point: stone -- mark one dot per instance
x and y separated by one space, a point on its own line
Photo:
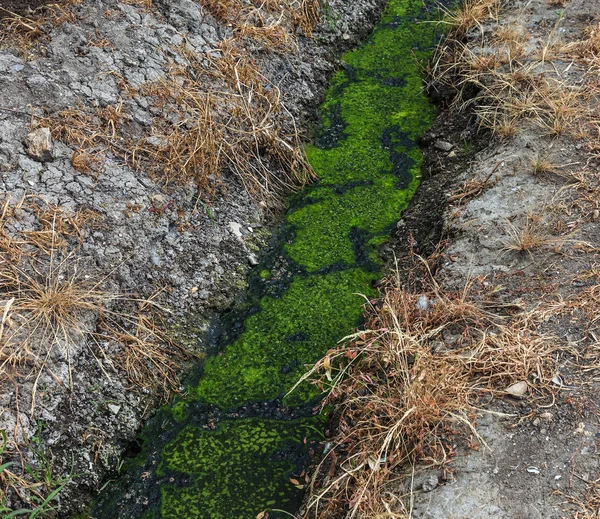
39 145
518 389
430 483
236 229
443 145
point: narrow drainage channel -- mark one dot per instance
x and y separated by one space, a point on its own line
229 447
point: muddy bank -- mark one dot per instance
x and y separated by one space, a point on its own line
193 250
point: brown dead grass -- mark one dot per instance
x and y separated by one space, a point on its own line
538 231
470 14
224 116
401 390
230 117
518 85
269 22
542 165
28 34
588 505
471 188
405 388
54 304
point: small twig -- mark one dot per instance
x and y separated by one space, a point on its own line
12 110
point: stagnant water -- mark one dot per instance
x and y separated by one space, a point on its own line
229 447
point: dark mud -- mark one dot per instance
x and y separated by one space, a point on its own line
22 7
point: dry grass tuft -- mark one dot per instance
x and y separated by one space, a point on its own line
509 83
586 202
52 305
537 231
470 189
27 34
224 115
404 387
542 165
218 112
45 306
529 235
470 14
584 306
268 22
587 48
254 136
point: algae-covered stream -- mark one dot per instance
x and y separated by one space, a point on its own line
229 447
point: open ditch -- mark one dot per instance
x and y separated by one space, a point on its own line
332 248
233 445
506 236
72 403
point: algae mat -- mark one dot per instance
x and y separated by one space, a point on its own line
232 446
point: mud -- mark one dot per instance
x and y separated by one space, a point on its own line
7 7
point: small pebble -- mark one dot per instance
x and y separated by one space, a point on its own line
430 483
443 145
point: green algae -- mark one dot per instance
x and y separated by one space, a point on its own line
201 459
253 448
280 339
179 410
357 191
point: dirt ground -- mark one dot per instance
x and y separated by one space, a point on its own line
20 6
537 457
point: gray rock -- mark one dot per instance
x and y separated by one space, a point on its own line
39 146
114 409
443 145
430 483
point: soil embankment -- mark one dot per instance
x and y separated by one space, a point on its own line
135 204
520 218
